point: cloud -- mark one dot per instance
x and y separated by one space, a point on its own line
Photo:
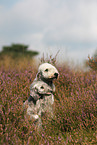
51 24
77 24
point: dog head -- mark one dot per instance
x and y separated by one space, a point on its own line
41 88
47 72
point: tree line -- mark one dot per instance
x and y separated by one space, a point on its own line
21 50
17 51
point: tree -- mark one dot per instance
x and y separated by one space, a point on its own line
17 50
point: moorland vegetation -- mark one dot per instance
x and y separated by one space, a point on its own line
75 106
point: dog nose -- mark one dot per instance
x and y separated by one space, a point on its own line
56 75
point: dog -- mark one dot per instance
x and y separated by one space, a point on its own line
40 98
47 73
41 92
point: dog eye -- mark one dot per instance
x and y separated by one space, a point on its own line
42 87
46 70
35 89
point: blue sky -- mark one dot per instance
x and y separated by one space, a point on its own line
8 3
51 25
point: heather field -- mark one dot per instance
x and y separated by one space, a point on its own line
75 107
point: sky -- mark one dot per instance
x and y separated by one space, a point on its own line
49 26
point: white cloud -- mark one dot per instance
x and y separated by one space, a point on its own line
46 23
77 24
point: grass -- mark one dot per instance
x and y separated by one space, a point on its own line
75 106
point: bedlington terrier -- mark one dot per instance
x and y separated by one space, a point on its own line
47 73
41 92
41 99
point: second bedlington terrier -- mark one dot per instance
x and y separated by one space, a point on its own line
41 100
41 92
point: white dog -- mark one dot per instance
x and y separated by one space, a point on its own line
40 98
47 73
41 92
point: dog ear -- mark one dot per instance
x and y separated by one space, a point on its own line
38 75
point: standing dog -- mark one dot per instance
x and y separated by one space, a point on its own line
41 92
